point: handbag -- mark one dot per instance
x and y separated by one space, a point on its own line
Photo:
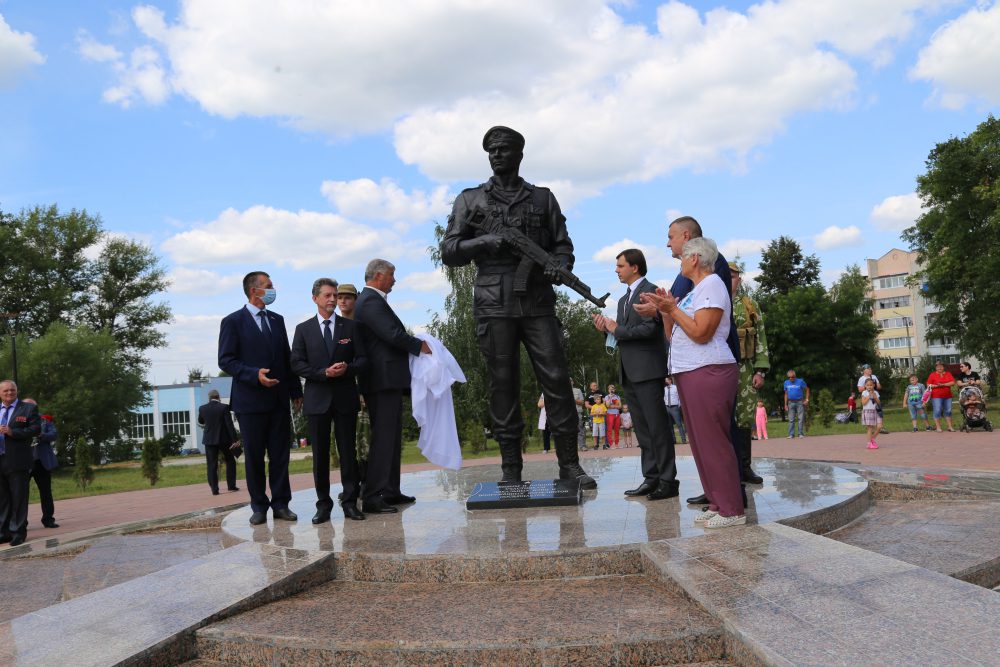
237 449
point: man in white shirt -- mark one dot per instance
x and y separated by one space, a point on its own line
672 400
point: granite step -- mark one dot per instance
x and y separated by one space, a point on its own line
150 620
612 620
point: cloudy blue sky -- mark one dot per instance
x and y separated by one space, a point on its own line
305 138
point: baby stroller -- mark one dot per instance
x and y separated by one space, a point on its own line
973 407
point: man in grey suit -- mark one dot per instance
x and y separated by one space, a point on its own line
387 380
643 367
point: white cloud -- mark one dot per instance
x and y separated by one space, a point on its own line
141 78
94 251
425 281
697 91
741 248
364 199
302 239
838 237
17 53
896 213
95 51
962 60
186 280
192 341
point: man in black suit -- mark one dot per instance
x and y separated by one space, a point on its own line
219 437
328 352
387 379
45 462
19 425
253 349
643 367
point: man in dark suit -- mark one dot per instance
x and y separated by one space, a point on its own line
643 367
388 378
253 349
19 425
328 352
45 462
219 437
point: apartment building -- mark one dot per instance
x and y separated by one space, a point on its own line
902 314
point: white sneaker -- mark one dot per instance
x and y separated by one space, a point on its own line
789 438
705 515
719 521
801 436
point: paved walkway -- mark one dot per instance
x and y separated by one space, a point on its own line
928 451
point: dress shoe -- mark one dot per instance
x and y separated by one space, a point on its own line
234 488
285 514
6 538
377 506
665 490
749 476
50 523
17 540
352 512
258 518
400 499
642 490
698 500
321 516
215 492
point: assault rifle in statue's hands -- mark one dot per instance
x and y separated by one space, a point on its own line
531 255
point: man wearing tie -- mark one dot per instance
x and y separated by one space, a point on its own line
45 462
328 352
219 437
253 349
643 365
19 424
388 378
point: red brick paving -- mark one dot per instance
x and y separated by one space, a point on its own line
929 451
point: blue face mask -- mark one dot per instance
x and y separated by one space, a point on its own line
269 296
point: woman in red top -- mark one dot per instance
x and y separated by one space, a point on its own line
940 383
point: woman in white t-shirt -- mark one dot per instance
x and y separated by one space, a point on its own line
706 376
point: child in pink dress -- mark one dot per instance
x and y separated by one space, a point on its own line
761 421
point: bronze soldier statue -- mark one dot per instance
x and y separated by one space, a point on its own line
513 307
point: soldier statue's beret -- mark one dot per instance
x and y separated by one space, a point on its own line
501 133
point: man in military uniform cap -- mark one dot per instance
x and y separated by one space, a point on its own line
754 365
506 318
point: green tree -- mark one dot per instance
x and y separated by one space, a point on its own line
75 374
127 274
824 338
152 459
83 473
955 241
825 407
47 276
171 444
784 267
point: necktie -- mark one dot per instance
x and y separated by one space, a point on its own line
264 328
3 422
328 338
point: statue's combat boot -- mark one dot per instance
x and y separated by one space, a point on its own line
569 462
511 461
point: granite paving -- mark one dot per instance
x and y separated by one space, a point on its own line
599 620
438 523
960 538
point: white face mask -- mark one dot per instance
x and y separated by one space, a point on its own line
269 296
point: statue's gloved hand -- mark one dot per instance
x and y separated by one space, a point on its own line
481 245
552 270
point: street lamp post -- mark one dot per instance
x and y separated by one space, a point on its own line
9 317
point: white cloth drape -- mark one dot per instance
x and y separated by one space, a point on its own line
431 378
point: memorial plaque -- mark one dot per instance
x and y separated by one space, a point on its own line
533 493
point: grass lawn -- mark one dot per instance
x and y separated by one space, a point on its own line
896 419
117 477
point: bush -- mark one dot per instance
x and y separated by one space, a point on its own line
151 460
119 449
171 444
825 407
472 434
83 473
